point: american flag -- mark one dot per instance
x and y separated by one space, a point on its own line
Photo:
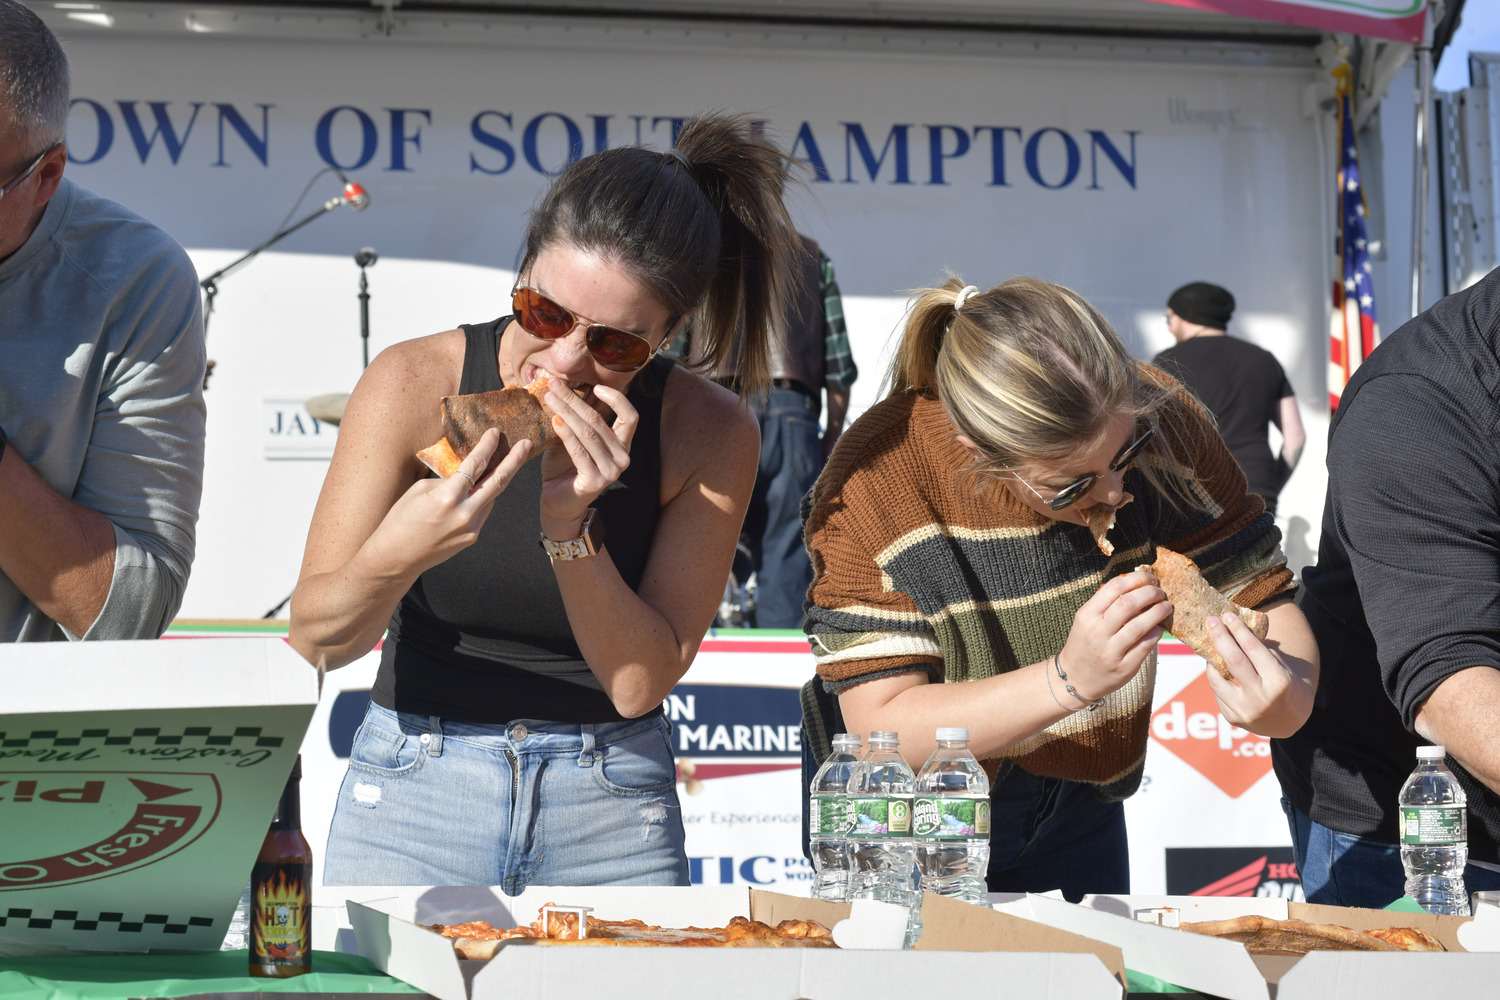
1355 330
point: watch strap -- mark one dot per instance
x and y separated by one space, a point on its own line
589 541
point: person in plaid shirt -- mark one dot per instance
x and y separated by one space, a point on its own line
811 359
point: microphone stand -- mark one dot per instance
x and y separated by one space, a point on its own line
366 257
210 284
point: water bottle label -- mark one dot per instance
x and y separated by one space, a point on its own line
882 816
1434 825
948 816
834 817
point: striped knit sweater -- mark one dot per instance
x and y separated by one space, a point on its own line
917 569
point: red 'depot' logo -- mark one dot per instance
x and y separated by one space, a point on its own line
1190 726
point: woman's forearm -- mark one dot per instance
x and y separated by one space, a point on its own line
999 712
339 616
628 644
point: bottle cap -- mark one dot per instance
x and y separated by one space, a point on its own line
1431 753
847 740
953 734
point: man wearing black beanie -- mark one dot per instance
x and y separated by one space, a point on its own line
1243 385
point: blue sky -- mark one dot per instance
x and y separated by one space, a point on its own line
1478 31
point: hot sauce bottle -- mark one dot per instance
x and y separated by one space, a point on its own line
281 892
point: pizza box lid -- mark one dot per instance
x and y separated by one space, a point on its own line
137 780
1225 969
387 932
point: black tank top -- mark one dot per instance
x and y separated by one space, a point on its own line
484 636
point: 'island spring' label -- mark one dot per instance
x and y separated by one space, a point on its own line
950 816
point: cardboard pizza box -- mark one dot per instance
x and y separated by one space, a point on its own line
1226 969
389 932
137 780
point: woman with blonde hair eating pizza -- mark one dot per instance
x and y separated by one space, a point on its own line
515 734
958 581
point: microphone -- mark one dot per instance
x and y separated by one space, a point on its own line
354 195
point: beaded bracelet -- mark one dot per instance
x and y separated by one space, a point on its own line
1057 666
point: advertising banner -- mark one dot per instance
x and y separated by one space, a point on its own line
1207 815
1396 20
1115 170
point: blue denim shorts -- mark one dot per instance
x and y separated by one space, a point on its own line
428 801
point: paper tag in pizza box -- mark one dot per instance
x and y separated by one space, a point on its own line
1483 932
137 781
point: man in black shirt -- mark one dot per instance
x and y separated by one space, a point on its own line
1242 385
1405 604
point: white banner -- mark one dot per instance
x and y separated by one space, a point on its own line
1121 170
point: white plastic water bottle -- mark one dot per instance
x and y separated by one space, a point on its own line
830 817
1435 835
951 820
882 854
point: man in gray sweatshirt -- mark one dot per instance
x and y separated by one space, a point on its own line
101 381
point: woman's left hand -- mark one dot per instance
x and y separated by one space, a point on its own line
1266 696
594 453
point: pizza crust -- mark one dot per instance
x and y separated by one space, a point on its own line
1100 518
1194 600
518 412
1266 936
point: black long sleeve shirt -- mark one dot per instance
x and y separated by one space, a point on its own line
1406 591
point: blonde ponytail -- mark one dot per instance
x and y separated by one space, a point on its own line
1030 372
931 311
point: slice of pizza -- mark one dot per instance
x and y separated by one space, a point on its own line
1267 936
518 411
1193 600
1408 939
1100 518
479 940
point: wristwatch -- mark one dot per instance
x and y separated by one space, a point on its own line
588 543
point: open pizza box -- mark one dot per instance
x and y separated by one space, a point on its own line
137 781
1224 968
989 954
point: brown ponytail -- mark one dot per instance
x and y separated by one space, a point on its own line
703 228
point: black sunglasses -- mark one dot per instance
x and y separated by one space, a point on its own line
1074 491
611 348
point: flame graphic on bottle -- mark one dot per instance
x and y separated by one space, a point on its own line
280 925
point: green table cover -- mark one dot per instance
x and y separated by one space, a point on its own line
119 977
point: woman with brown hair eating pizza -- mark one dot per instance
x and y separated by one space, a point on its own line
515 734
975 537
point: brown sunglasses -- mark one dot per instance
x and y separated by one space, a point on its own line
612 349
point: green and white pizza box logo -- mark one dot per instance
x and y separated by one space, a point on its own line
66 827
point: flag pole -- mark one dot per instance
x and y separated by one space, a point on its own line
1423 96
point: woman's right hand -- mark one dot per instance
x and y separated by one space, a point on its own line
436 518
1113 633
